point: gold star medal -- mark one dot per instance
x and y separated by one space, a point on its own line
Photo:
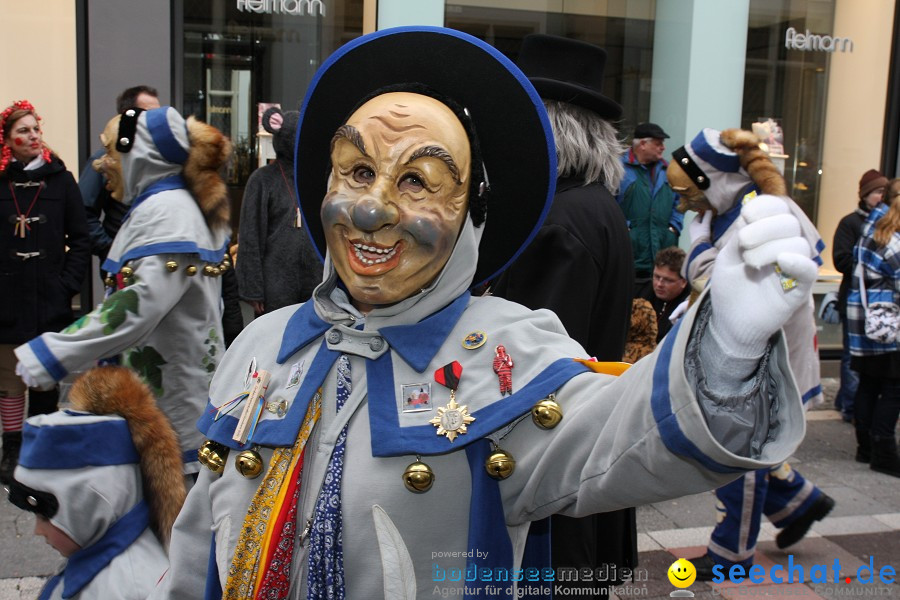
452 419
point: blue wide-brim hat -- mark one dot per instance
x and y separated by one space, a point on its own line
514 135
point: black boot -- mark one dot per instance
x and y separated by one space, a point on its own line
863 446
884 456
12 441
794 532
42 402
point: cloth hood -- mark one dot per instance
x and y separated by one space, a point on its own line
721 165
89 463
159 149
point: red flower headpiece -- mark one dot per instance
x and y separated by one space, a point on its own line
5 152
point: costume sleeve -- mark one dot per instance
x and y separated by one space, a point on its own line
541 280
643 436
78 256
90 183
843 253
700 259
123 320
252 234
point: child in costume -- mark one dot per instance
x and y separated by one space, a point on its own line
104 483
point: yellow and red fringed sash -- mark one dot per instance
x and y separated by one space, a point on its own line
270 523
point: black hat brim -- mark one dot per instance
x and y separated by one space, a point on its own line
513 130
552 89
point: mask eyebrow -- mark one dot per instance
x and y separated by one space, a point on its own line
352 135
439 153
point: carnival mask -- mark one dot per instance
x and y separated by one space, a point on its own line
397 196
109 165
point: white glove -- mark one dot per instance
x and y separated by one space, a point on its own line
27 377
749 303
700 226
679 311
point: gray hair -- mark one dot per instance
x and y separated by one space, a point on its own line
586 145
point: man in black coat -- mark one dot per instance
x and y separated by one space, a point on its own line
579 264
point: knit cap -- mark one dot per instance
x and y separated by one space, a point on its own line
871 181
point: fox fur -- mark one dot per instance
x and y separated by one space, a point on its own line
753 159
210 150
113 390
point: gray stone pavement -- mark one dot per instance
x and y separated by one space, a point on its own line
865 523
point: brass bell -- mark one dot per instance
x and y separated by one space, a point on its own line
500 464
418 477
216 271
208 270
191 270
126 272
249 464
224 265
212 455
547 413
110 282
171 266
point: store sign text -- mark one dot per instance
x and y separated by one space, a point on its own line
286 7
815 42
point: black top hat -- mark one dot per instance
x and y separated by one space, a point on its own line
515 138
567 70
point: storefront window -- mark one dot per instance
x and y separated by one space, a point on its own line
785 88
625 30
242 55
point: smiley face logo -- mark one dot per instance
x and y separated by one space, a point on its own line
682 573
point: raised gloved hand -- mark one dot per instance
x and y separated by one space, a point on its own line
749 299
700 226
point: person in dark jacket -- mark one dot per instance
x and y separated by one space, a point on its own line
669 290
849 230
44 256
579 264
279 265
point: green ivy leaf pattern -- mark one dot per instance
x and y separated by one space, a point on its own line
115 309
77 325
212 348
146 362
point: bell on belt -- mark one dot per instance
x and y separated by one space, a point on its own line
209 271
418 477
249 464
212 455
191 270
547 413
171 266
110 282
500 464
126 272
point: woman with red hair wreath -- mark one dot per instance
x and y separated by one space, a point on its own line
44 254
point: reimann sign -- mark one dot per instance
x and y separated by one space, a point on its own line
286 7
813 42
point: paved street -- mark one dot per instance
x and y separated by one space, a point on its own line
865 523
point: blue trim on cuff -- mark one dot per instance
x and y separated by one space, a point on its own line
669 430
48 361
813 392
96 444
163 138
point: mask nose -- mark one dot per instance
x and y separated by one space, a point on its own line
370 213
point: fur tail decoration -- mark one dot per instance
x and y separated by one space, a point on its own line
118 390
755 161
210 150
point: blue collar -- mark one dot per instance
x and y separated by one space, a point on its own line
85 564
416 343
173 182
